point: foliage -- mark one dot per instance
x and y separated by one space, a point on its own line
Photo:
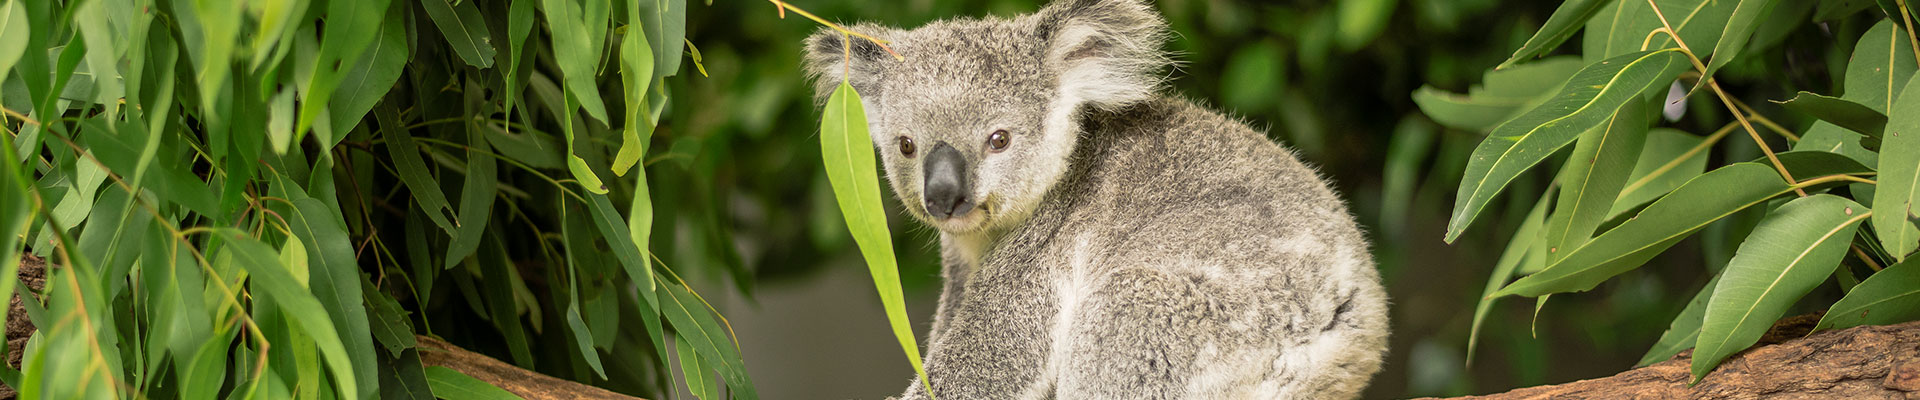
1641 60
224 190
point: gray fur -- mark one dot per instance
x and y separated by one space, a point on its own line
1127 244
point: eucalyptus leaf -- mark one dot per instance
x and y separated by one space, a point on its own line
1565 21
454 385
1684 331
851 169
464 29
1794 249
1842 112
1899 188
1530 231
1588 100
1888 297
1689 208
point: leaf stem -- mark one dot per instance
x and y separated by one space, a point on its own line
1907 15
1724 99
1863 258
783 7
1670 165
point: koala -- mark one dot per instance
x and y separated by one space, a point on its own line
1100 239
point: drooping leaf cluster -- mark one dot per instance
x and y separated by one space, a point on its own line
1834 200
273 198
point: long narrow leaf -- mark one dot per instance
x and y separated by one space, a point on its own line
1589 98
1794 249
1893 199
856 187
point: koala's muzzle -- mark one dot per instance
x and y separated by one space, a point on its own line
946 186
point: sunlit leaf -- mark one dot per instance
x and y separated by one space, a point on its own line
848 152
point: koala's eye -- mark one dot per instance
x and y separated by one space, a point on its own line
906 146
998 140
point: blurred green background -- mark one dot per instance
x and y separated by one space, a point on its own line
1330 79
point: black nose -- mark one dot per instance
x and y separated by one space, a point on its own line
946 185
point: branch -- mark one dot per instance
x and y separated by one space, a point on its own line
1868 362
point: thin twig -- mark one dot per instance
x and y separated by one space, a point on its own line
1863 258
783 6
1912 41
1727 100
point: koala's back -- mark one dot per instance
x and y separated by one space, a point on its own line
1191 232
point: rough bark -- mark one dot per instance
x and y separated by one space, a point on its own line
1868 362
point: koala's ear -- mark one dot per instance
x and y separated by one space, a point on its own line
829 59
1106 51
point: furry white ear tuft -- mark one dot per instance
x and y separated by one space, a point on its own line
1107 51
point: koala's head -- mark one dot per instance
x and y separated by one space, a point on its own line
976 122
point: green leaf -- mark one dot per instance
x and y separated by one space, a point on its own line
519 25
636 72
1503 94
578 166
402 378
352 27
13 24
1846 114
693 322
413 172
1890 296
1565 21
454 385
1893 198
1794 249
264 269
607 220
1517 248
1588 100
848 153
1881 65
476 198
1684 330
370 78
1827 137
1652 177
699 380
390 322
464 29
336 280
1692 206
1627 26
1593 178
1733 39
1835 9
578 31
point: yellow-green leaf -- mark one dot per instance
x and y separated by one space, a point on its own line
848 153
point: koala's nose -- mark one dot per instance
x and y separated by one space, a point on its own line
946 187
